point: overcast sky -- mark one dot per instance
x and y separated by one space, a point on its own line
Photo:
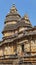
23 7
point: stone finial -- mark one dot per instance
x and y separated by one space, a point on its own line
13 8
26 16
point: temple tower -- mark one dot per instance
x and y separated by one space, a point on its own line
10 29
18 46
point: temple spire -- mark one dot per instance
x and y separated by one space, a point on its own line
13 8
26 16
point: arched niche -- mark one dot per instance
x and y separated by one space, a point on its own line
26 45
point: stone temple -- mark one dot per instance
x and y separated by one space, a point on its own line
18 45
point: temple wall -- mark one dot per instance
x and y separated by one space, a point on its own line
13 49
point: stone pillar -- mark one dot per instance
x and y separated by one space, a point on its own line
19 50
